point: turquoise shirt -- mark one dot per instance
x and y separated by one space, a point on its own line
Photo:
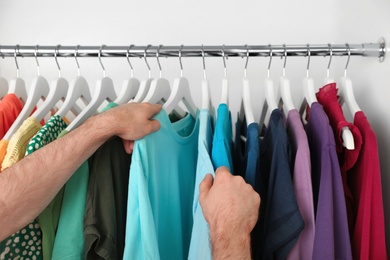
221 154
161 191
69 241
200 247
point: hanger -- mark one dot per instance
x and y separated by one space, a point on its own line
159 88
78 89
129 86
225 82
104 91
145 84
309 92
206 98
246 107
180 93
3 82
328 79
58 91
39 90
270 97
17 85
284 85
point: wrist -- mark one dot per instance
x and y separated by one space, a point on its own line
230 243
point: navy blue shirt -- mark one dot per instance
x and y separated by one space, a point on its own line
280 222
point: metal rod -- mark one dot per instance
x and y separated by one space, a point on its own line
366 50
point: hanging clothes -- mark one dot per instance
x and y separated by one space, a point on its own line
331 239
221 152
69 241
280 220
356 182
106 204
36 239
200 247
300 159
161 189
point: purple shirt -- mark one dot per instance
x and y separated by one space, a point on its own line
300 158
331 240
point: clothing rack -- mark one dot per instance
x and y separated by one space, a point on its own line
365 49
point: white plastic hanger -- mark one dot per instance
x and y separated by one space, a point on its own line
145 84
78 89
129 87
39 90
58 91
17 85
284 86
225 81
246 106
206 97
346 95
270 97
180 93
309 92
3 82
159 89
104 90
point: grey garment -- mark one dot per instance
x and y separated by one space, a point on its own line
106 206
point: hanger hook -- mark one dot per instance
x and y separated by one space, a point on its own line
247 59
330 59
224 61
1 53
181 64
16 61
158 59
308 60
204 63
146 61
285 59
100 60
270 59
128 60
36 58
57 50
349 56
76 52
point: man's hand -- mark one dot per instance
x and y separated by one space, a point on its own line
231 207
133 121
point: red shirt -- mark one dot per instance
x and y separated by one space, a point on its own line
10 107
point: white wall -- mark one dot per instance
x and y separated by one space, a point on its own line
174 22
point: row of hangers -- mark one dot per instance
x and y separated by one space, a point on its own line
345 92
159 91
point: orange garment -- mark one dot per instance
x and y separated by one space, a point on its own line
10 107
3 150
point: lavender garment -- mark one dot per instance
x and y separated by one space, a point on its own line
331 240
300 152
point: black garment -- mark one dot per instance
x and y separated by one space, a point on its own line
280 222
106 206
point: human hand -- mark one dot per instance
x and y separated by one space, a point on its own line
133 121
231 208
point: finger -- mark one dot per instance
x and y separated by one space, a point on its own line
205 186
127 146
155 125
222 172
154 109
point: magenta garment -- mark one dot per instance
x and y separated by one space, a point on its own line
331 240
300 158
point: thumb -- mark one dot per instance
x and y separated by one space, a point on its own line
205 187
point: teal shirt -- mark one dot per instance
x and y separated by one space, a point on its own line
69 241
161 191
200 247
221 154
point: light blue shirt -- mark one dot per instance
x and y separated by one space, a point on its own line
221 154
200 247
161 191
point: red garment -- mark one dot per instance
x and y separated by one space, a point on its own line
10 107
368 239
